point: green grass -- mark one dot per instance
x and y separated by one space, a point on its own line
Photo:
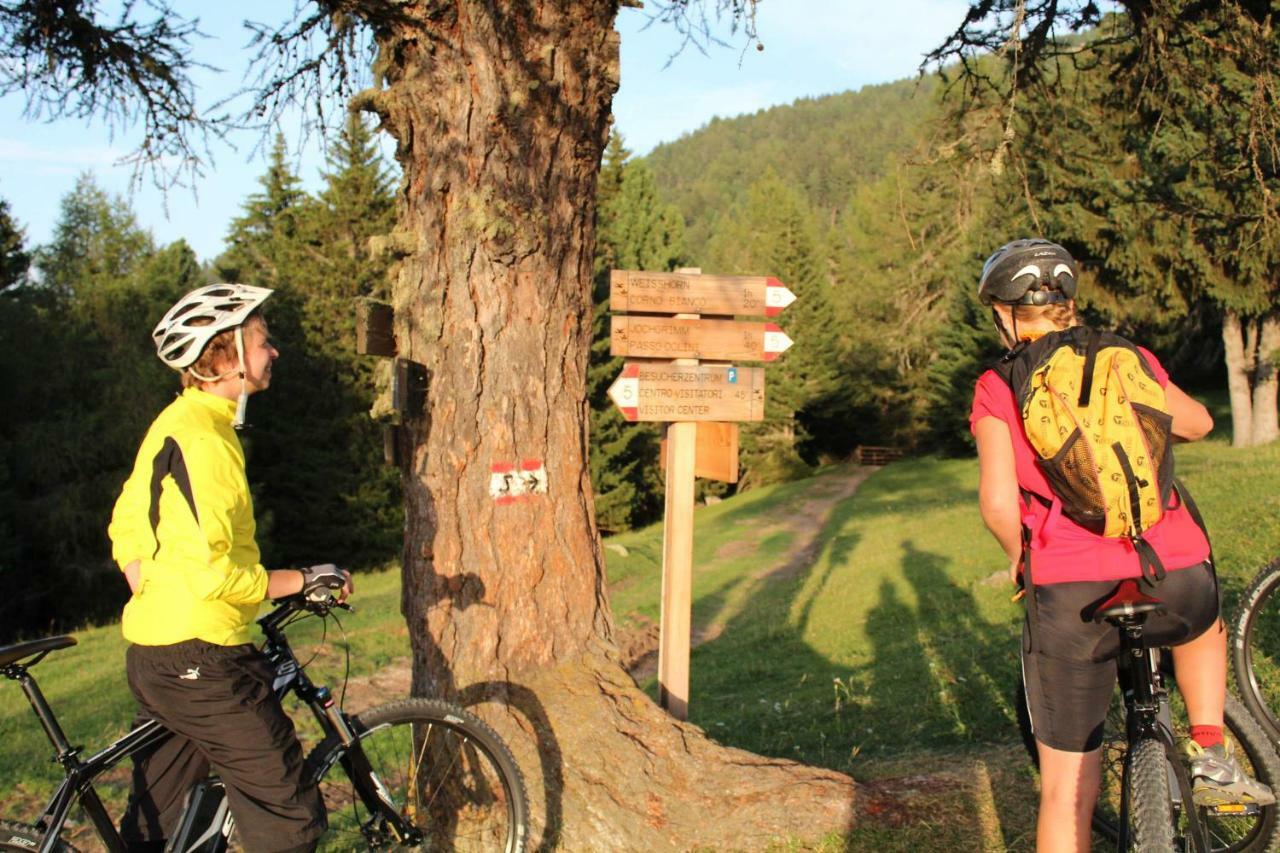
866 634
896 652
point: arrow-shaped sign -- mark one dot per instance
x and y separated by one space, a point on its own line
686 293
704 392
716 340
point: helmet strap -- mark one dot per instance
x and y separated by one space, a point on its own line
1010 340
243 400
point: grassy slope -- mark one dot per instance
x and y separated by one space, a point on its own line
892 657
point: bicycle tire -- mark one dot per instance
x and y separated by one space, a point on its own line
475 802
21 836
1151 820
1255 648
1254 750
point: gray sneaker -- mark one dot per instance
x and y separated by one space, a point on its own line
1217 780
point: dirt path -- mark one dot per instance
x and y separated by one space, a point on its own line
638 641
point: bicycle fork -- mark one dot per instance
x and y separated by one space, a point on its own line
371 790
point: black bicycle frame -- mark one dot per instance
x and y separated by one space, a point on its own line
80 774
290 676
1147 716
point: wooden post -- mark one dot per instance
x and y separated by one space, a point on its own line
676 630
677 571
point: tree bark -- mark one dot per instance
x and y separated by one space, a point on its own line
1239 386
501 113
1265 426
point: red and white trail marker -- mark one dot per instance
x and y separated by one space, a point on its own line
510 482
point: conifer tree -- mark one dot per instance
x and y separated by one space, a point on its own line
14 258
772 233
634 230
80 403
317 468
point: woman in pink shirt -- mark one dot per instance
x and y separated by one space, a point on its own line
1070 668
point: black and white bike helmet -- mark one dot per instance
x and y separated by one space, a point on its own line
191 323
1028 272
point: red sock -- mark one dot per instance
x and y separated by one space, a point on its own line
1206 736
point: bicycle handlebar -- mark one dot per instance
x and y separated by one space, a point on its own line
291 604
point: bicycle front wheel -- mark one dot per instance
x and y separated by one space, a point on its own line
1228 833
1255 648
1151 820
447 772
1250 832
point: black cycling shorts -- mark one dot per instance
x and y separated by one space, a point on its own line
1071 673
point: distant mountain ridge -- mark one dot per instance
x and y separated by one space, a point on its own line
823 147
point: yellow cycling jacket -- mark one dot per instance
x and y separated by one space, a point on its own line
186 515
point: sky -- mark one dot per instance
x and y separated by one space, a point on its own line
811 48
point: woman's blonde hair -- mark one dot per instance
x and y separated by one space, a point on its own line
1060 314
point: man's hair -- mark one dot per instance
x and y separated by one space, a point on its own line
220 349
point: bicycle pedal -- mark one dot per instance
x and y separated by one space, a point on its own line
1234 810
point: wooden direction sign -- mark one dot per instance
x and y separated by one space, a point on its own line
716 340
704 392
682 293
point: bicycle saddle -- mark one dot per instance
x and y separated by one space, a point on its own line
19 651
1127 600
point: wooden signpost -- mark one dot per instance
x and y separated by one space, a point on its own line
684 337
685 293
701 404
656 391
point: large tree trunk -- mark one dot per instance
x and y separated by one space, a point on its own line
1265 426
1239 372
501 112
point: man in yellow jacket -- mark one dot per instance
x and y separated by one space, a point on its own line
183 534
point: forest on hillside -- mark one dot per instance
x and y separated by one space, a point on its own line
875 207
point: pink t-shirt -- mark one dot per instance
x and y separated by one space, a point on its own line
1062 550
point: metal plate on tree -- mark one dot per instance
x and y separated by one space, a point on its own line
717 340
704 392
684 293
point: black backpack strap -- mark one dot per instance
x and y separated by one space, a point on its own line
1028 586
1090 360
1134 483
1149 561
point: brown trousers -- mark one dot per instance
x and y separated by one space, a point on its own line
218 702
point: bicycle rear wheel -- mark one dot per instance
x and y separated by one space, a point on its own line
1255 648
448 773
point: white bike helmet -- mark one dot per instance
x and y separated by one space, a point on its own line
192 322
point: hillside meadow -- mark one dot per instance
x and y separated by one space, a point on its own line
857 619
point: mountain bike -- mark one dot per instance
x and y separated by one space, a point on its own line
1145 801
1255 648
415 773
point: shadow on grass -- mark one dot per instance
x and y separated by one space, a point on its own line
936 678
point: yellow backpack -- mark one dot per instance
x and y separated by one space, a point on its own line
1097 417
